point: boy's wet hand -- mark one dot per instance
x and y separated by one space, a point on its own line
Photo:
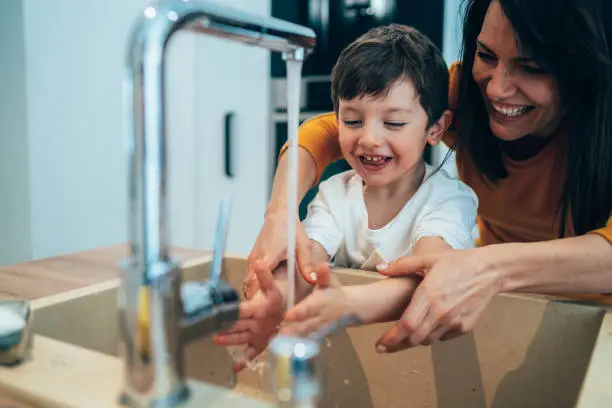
258 320
326 304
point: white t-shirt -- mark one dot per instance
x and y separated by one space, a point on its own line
337 219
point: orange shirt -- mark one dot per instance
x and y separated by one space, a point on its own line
520 208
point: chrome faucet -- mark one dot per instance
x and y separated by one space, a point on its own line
154 324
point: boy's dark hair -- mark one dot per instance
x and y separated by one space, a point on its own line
374 62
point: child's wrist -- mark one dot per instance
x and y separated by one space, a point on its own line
352 302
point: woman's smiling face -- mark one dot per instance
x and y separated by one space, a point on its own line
521 99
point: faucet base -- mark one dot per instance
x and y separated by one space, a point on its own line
211 396
199 395
175 399
149 316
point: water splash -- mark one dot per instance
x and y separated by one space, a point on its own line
258 364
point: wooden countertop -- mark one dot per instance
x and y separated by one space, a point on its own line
44 277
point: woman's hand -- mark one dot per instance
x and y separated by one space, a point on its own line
457 287
326 304
270 250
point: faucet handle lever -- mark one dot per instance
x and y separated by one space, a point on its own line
207 309
211 305
220 241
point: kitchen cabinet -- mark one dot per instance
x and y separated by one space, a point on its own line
65 130
224 148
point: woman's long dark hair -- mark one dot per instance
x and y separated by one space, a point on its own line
570 39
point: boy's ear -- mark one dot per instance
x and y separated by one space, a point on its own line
438 129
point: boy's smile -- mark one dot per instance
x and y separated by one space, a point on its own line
375 162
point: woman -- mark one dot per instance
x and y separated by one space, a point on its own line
532 105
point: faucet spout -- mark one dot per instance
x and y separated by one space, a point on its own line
152 284
144 97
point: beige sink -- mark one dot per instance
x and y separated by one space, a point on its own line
525 352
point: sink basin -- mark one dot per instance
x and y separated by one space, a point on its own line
524 352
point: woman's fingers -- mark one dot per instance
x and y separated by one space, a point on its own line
322 275
269 250
451 334
408 265
303 254
428 324
265 279
250 285
456 289
436 334
411 321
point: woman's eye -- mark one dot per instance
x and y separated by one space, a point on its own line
485 57
395 124
533 70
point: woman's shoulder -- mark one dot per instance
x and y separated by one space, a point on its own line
454 68
326 119
453 85
453 101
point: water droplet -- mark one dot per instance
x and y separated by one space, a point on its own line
284 395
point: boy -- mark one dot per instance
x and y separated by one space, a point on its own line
390 94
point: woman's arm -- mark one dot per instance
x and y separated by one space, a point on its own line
270 247
318 147
564 266
459 285
307 171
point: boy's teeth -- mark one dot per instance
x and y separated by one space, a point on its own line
510 111
374 159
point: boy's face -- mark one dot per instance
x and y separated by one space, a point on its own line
383 138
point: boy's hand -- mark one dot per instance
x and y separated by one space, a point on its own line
258 320
327 303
